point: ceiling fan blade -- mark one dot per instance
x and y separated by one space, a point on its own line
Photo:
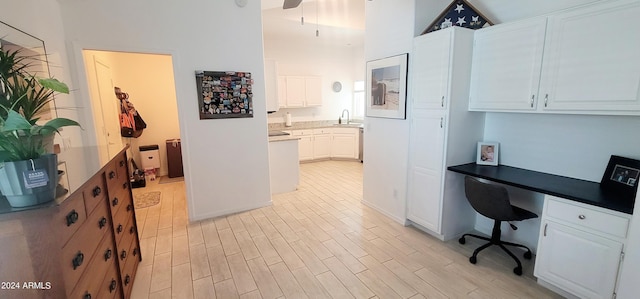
291 4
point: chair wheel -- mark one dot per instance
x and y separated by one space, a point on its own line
462 240
472 260
517 271
527 255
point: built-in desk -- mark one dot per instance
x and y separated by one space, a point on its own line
560 186
583 229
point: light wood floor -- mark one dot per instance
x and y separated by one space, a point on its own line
316 242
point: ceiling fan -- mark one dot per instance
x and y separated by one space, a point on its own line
291 4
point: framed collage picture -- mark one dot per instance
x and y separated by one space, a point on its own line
224 94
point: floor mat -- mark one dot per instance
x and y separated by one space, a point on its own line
145 200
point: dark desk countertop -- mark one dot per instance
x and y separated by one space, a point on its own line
560 186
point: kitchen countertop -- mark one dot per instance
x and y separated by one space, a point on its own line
303 125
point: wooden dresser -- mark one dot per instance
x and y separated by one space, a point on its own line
82 245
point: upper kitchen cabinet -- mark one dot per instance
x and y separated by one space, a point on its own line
300 91
271 84
431 61
591 60
586 62
505 72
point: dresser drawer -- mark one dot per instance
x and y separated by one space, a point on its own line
593 218
122 217
118 198
78 251
91 282
111 284
94 193
130 268
120 165
70 217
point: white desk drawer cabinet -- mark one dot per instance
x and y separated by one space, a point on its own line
580 247
588 218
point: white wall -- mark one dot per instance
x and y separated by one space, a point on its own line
315 58
389 32
577 146
45 22
225 161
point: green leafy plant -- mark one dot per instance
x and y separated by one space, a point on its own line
22 99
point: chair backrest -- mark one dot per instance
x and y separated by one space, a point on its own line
488 199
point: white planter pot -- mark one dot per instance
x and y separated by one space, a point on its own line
12 181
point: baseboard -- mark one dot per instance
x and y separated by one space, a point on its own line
193 218
427 231
383 212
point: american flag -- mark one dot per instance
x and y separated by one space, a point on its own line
459 13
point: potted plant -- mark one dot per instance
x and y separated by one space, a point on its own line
28 168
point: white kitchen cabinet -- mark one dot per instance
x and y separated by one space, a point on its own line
442 133
300 91
580 248
426 170
305 144
505 73
431 76
321 143
271 85
589 67
345 143
585 62
313 91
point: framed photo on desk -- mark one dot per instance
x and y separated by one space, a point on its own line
621 175
487 153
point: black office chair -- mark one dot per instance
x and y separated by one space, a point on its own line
493 201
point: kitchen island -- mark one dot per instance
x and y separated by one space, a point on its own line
284 168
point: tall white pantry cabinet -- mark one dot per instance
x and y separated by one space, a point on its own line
443 132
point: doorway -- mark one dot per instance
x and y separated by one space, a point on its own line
149 81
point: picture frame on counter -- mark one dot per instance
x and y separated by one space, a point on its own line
487 153
386 91
621 175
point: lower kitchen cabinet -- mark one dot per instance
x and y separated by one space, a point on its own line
84 244
580 248
345 143
321 143
327 143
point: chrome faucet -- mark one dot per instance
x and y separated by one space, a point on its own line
342 115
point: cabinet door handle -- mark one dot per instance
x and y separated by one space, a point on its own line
96 191
442 102
77 260
107 254
113 285
581 217
72 217
546 99
102 222
441 120
545 230
532 97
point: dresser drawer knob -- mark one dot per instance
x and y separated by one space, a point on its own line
107 254
132 230
124 185
72 217
123 255
121 163
127 279
114 202
582 217
135 251
112 175
113 285
77 260
129 207
87 295
96 191
102 222
120 228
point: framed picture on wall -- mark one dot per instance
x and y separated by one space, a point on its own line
621 175
487 153
386 91
224 94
